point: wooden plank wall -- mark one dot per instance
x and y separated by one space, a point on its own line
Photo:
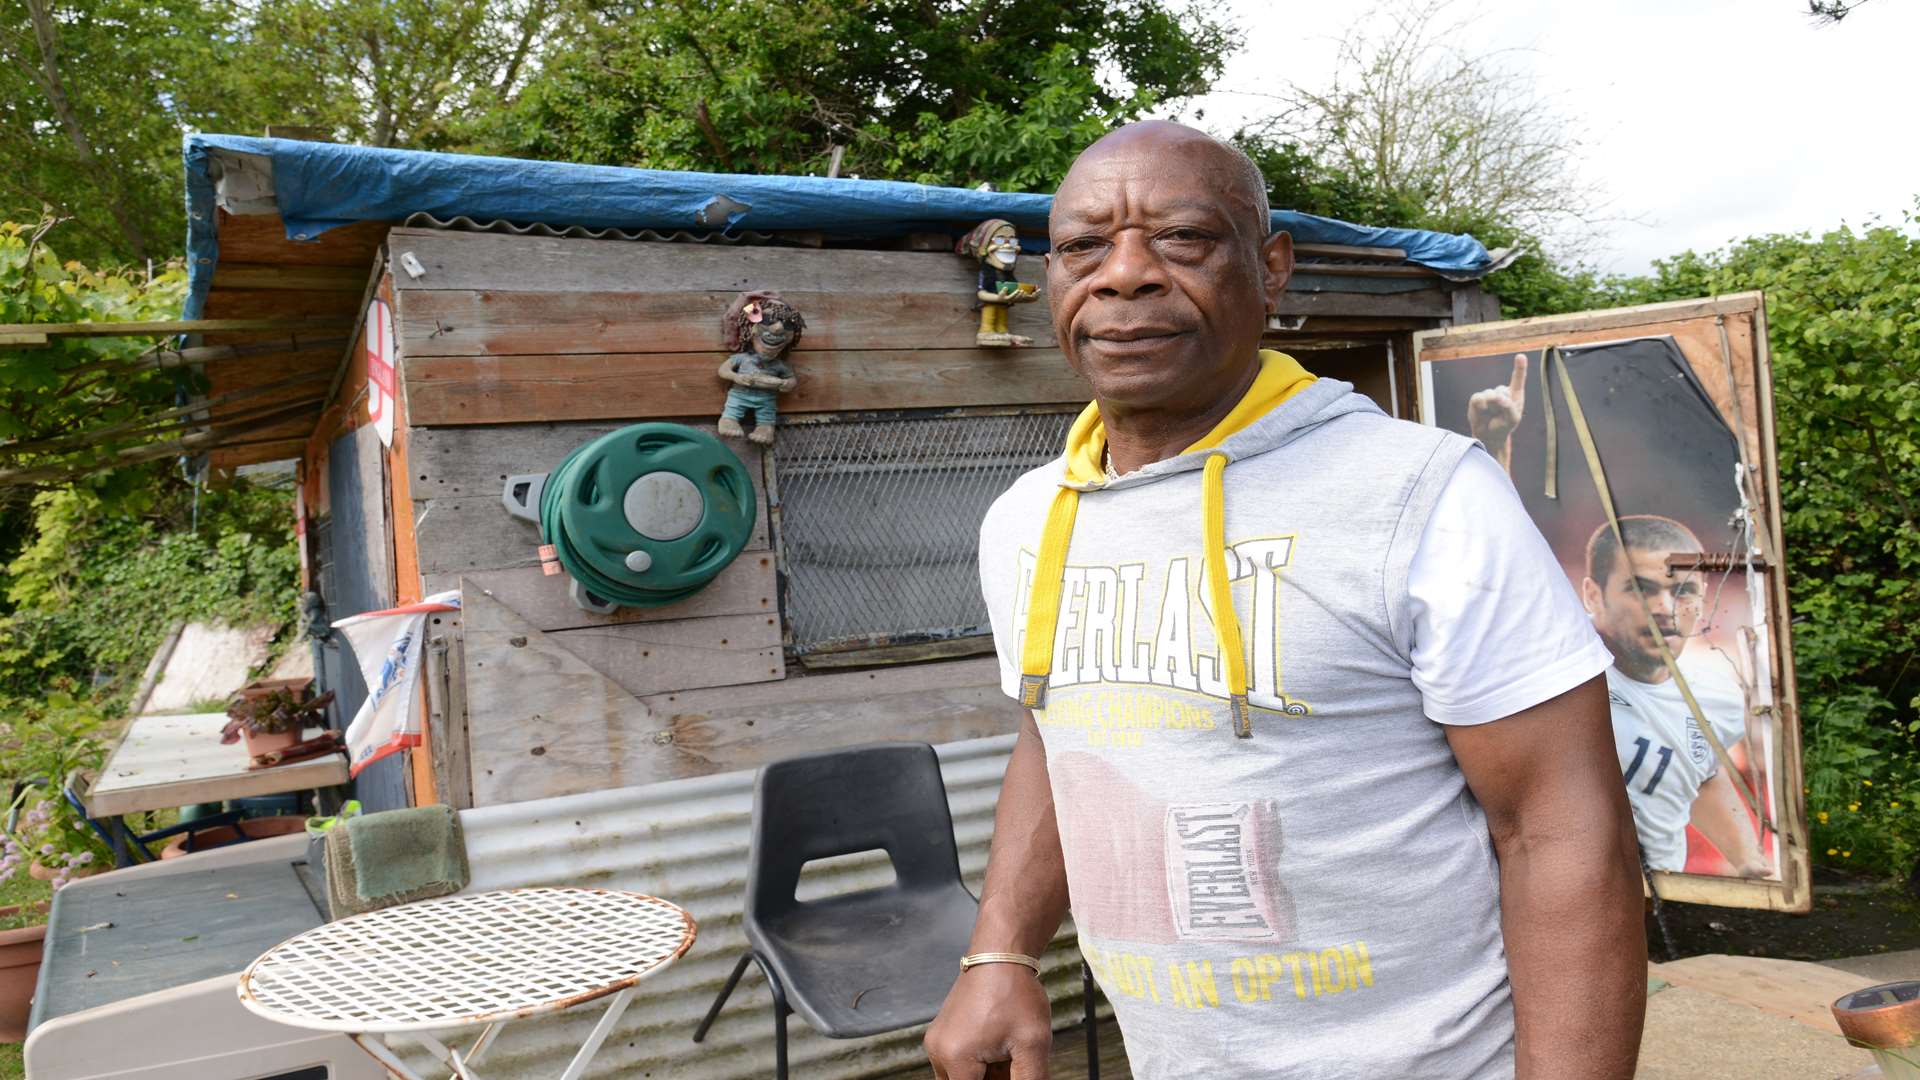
503 329
515 350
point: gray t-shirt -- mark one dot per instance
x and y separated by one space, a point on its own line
1320 900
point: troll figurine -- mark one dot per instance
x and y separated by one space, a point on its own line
993 243
760 330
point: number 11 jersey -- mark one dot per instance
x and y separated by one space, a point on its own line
1663 757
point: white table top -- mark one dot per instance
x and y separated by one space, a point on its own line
467 959
165 761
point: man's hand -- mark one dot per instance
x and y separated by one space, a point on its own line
994 1013
998 1013
1494 413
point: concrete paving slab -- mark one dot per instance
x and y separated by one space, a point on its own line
1697 1035
1898 966
1791 989
210 662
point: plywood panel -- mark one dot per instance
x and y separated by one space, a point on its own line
503 323
490 261
681 654
262 238
544 721
274 450
1419 303
497 390
747 586
540 720
230 274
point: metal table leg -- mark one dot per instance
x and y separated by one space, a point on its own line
462 1064
379 1052
578 1067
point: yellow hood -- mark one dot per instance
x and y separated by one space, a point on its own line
1280 378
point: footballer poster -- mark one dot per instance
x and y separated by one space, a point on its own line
1665 408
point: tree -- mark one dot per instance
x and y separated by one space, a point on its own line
1830 12
398 72
94 95
68 405
1421 120
1418 131
961 91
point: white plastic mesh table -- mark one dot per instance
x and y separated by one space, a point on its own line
459 961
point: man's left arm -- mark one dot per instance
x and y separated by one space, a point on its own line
1570 895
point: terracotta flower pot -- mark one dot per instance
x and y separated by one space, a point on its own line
267 744
41 872
20 952
222 835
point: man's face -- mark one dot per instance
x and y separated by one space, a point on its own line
1675 599
1158 283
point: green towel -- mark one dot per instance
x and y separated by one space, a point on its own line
395 857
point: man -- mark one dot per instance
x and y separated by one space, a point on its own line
1673 777
1280 864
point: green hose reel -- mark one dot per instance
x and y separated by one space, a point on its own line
640 517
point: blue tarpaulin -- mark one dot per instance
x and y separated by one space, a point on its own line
321 186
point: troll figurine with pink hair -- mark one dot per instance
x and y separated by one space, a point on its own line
760 330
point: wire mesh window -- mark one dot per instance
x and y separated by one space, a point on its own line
880 520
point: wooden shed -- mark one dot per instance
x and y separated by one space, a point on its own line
536 306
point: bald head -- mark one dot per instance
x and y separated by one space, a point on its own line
1162 272
1179 146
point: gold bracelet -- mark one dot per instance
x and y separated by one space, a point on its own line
979 958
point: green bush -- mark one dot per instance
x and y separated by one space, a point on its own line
102 581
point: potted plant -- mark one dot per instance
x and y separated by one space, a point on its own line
45 833
271 715
45 836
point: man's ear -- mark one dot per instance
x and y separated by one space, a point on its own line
1591 595
1277 254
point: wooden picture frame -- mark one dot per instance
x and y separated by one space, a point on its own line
1733 371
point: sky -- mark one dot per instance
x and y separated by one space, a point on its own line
1705 120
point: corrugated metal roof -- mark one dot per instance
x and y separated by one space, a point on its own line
463 223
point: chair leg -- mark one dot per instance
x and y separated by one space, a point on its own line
726 992
1093 1028
780 1014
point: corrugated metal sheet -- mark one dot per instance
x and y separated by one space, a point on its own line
686 840
463 223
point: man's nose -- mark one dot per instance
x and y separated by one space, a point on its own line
1130 270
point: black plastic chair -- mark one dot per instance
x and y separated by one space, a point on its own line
866 962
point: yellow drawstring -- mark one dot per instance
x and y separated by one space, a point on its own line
1280 378
1226 622
1043 612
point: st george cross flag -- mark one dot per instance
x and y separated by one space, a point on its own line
387 644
